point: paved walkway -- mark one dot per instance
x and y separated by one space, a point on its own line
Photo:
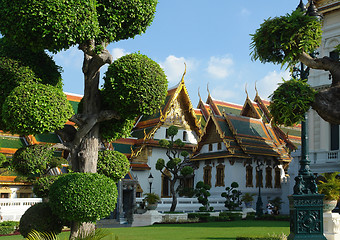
110 223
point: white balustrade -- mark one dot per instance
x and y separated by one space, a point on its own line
187 204
11 209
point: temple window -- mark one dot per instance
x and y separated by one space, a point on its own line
139 191
185 136
207 175
5 192
219 146
269 178
210 147
219 176
166 184
277 178
249 176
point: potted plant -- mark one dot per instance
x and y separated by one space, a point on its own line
152 200
329 185
248 199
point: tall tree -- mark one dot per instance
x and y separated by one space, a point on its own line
175 168
31 100
292 38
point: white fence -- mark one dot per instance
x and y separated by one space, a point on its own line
187 204
11 209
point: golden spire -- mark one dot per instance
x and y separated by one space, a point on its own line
245 89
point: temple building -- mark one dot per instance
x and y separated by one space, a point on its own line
237 142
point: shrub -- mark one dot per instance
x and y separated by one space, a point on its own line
232 196
258 238
32 159
6 230
39 217
201 216
34 108
290 101
14 224
138 81
42 186
113 164
231 215
202 194
83 197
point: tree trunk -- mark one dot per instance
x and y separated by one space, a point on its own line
85 146
327 101
174 196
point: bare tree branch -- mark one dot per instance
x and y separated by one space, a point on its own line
107 115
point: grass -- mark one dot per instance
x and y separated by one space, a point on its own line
190 231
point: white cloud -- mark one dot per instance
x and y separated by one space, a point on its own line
118 52
224 94
174 68
245 12
267 85
71 58
220 68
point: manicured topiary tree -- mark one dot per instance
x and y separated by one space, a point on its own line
33 160
92 25
290 39
113 164
176 166
36 108
39 217
41 186
202 193
91 196
232 196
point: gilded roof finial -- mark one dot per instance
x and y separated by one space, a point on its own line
257 93
245 89
199 95
208 89
185 71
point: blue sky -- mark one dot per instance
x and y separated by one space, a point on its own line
211 37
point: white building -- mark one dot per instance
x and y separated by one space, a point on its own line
323 136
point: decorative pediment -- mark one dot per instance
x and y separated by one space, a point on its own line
176 116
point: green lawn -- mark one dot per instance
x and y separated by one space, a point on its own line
207 231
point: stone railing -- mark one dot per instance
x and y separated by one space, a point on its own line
11 209
322 157
187 204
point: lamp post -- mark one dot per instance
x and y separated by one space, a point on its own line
150 180
306 213
259 203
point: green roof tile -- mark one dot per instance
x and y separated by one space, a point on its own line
123 148
47 138
12 142
74 106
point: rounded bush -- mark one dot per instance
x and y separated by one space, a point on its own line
39 62
32 159
290 101
114 129
39 217
42 185
83 197
113 164
53 25
134 85
35 108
